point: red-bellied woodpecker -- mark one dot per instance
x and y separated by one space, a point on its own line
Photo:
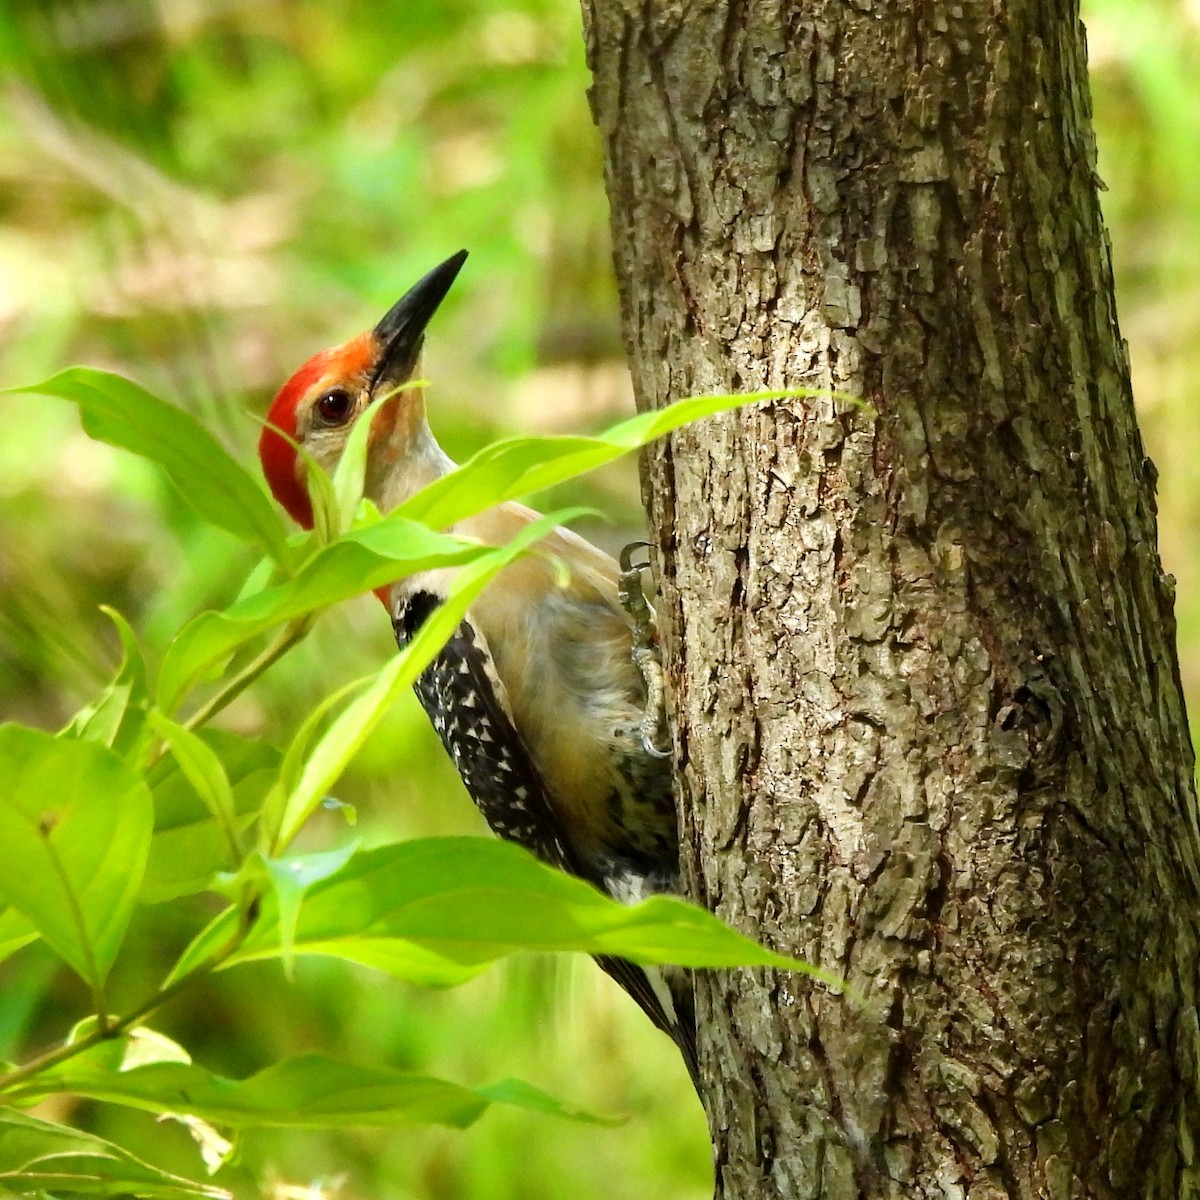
545 696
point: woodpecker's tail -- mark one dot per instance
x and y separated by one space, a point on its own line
665 995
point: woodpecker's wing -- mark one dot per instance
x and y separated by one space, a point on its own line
467 703
465 700
664 994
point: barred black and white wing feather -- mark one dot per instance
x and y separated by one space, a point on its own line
467 705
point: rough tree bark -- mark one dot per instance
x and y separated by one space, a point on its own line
925 694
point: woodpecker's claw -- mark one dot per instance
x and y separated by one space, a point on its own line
656 739
627 566
653 750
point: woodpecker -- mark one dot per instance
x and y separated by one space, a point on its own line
545 697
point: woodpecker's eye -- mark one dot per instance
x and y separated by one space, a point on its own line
335 408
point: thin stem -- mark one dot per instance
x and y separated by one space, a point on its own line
105 1031
291 635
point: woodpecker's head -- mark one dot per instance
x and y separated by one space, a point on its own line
317 406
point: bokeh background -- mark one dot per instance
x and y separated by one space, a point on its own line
200 193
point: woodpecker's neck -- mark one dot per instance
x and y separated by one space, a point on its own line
404 458
400 465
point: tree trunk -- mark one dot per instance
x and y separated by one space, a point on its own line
924 684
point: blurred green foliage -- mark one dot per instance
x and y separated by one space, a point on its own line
199 193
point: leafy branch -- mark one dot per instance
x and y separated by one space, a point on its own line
132 803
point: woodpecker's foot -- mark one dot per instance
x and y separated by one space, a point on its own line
632 594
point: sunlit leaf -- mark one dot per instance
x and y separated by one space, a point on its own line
216 1150
40 1157
122 413
190 845
291 878
350 474
75 826
345 736
364 559
16 931
522 1095
118 718
311 1091
518 467
203 769
135 1048
321 498
287 779
437 910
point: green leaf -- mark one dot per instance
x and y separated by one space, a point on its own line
292 768
363 560
190 845
518 467
141 1046
215 1148
203 769
325 523
118 718
122 413
39 1157
349 476
436 911
16 932
308 1092
75 827
523 1095
346 735
291 879
136 1048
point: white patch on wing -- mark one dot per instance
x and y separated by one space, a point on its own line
658 984
628 887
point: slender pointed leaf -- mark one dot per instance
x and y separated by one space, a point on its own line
518 467
437 910
39 1157
292 768
190 845
291 878
350 475
203 769
363 560
346 735
310 1091
521 1094
122 413
321 498
16 932
118 718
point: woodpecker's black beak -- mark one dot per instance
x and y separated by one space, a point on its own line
402 331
